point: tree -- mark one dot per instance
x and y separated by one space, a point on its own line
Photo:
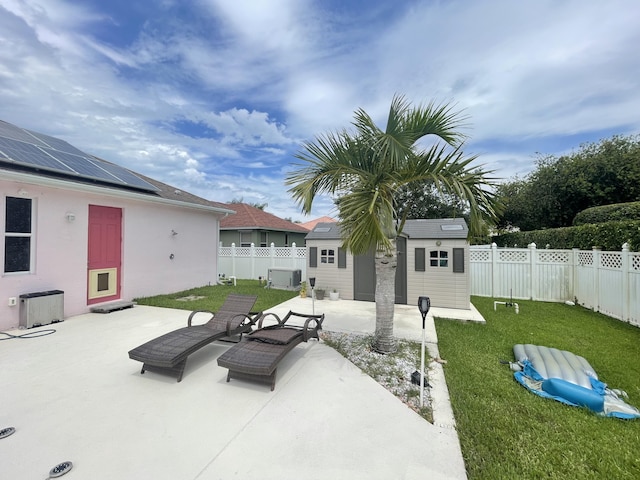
558 189
366 168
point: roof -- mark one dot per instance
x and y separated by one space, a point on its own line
248 217
312 223
445 228
33 170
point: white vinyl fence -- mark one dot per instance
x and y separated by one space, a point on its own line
606 282
254 262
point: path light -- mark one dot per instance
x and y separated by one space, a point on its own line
312 282
424 304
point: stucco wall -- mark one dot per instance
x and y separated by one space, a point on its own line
227 237
61 247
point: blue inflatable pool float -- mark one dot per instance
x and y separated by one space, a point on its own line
568 378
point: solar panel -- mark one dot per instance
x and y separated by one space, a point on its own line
10 131
56 143
41 151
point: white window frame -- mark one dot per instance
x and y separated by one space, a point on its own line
440 259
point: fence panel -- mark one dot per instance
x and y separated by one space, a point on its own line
608 282
254 262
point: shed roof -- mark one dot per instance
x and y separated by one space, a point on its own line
453 228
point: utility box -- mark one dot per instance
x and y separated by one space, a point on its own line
285 278
41 308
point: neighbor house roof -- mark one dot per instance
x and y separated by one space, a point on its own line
414 229
310 225
248 217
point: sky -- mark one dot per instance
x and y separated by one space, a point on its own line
215 97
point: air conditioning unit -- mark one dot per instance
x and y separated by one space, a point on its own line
285 278
41 308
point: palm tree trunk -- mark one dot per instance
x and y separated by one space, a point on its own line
386 265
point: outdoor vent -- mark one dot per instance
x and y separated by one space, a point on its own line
41 308
285 278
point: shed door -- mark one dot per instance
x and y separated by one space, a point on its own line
364 275
105 254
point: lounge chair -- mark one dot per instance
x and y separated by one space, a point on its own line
258 355
169 352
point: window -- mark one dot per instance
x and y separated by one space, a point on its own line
327 255
18 235
245 239
263 239
439 258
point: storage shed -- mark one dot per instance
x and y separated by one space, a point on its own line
433 256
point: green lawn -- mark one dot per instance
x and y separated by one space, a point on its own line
505 431
214 296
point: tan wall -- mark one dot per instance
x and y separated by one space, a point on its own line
445 288
328 275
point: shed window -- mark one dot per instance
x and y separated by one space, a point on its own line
327 255
439 258
18 234
420 260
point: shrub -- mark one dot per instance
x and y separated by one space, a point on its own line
608 236
608 213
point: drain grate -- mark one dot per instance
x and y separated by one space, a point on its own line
5 432
60 469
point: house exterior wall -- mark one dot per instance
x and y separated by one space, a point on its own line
279 239
328 275
61 247
445 288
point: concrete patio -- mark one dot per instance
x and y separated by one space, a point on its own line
75 395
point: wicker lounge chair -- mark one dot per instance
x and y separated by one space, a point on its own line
258 355
169 352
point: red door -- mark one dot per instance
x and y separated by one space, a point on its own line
105 254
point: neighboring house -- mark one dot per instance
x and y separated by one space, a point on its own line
311 224
251 225
433 260
94 230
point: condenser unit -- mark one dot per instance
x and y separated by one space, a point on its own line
285 278
41 308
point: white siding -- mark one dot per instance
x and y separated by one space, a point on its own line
445 288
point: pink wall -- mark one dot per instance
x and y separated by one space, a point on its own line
147 243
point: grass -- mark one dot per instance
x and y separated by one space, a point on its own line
507 432
213 296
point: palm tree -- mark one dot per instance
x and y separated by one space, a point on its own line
365 169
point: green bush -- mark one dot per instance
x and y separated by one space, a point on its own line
608 213
608 236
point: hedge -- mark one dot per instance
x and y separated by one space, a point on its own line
608 213
609 236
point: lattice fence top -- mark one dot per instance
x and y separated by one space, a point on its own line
514 256
611 260
480 255
635 261
585 258
553 256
